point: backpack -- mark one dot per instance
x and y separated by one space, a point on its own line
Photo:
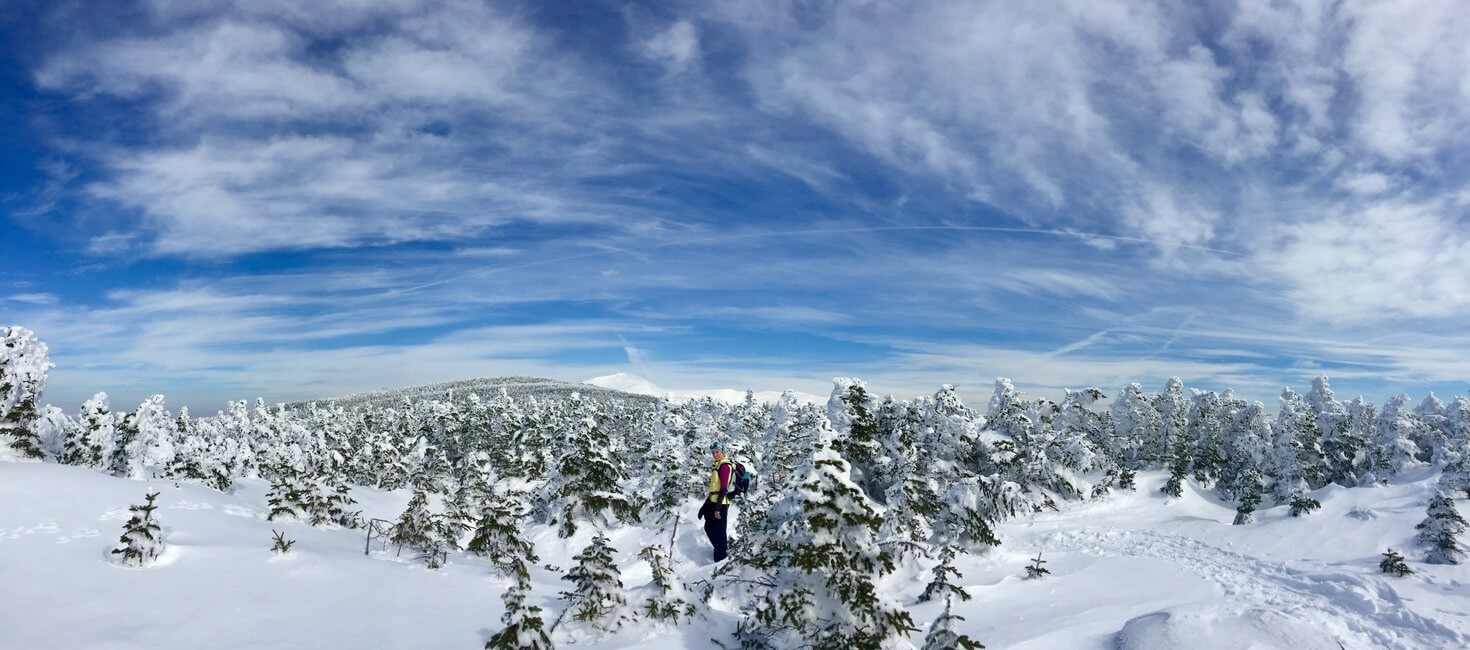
743 478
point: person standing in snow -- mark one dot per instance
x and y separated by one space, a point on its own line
716 509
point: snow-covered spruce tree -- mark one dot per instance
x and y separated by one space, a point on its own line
1205 430
524 629
414 527
499 533
1456 474
1285 463
24 365
1344 432
940 585
1393 564
675 478
142 538
1242 474
1295 418
1173 413
596 597
91 442
587 485
1393 442
1136 428
151 447
1247 501
970 509
1434 432
288 496
441 537
329 501
943 636
850 409
1440 531
123 440
824 560
1352 445
665 600
912 498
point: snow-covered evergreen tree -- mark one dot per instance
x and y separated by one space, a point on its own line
142 539
824 561
1393 442
941 584
596 597
665 598
499 533
850 409
286 497
970 510
1352 446
912 505
587 485
91 443
1393 564
150 447
1440 531
414 528
1432 435
24 366
1136 426
524 629
943 636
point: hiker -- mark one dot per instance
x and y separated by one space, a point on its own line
716 509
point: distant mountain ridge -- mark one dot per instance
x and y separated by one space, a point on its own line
460 390
630 383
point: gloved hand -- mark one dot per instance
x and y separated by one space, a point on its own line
704 509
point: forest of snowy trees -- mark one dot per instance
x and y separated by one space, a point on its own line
847 493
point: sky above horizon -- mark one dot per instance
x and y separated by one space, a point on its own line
221 200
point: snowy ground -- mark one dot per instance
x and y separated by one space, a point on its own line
1133 571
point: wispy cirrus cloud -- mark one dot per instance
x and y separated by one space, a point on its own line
750 194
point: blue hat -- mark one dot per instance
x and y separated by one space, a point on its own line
717 446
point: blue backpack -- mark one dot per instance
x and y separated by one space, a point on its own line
743 478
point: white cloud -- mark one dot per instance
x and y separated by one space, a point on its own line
676 48
33 298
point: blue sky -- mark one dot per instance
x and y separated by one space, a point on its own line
217 200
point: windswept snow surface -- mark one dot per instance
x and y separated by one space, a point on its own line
630 383
1134 571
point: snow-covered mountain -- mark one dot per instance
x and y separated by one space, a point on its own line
630 383
518 387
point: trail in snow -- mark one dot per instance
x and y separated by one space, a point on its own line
1357 611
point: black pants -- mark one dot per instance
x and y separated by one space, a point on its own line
715 528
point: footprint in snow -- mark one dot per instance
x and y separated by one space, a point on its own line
82 533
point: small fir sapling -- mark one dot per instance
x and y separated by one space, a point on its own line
1035 569
1302 505
597 593
282 545
524 628
665 600
943 636
940 586
142 539
1393 564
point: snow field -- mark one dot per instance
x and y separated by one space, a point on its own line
1134 571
